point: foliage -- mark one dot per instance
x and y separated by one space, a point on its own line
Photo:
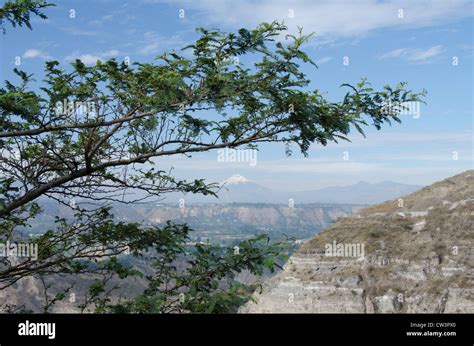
18 12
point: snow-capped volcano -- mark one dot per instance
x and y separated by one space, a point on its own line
238 188
235 179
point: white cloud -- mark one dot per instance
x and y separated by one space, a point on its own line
89 59
378 165
286 165
154 44
378 139
423 55
79 32
323 60
315 166
394 53
332 19
121 16
36 53
414 54
111 53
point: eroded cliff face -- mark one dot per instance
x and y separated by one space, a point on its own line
409 255
258 215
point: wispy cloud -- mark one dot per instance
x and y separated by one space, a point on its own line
305 168
424 55
323 60
334 19
79 32
89 59
99 22
417 55
394 53
378 139
154 43
36 53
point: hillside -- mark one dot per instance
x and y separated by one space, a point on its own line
409 255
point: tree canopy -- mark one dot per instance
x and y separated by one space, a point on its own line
18 12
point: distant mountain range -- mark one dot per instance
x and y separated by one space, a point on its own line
239 189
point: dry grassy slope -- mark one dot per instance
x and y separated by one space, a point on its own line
418 258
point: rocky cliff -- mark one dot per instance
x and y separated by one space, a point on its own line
271 216
413 254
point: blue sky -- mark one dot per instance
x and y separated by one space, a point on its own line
385 41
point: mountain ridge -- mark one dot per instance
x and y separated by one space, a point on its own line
239 189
